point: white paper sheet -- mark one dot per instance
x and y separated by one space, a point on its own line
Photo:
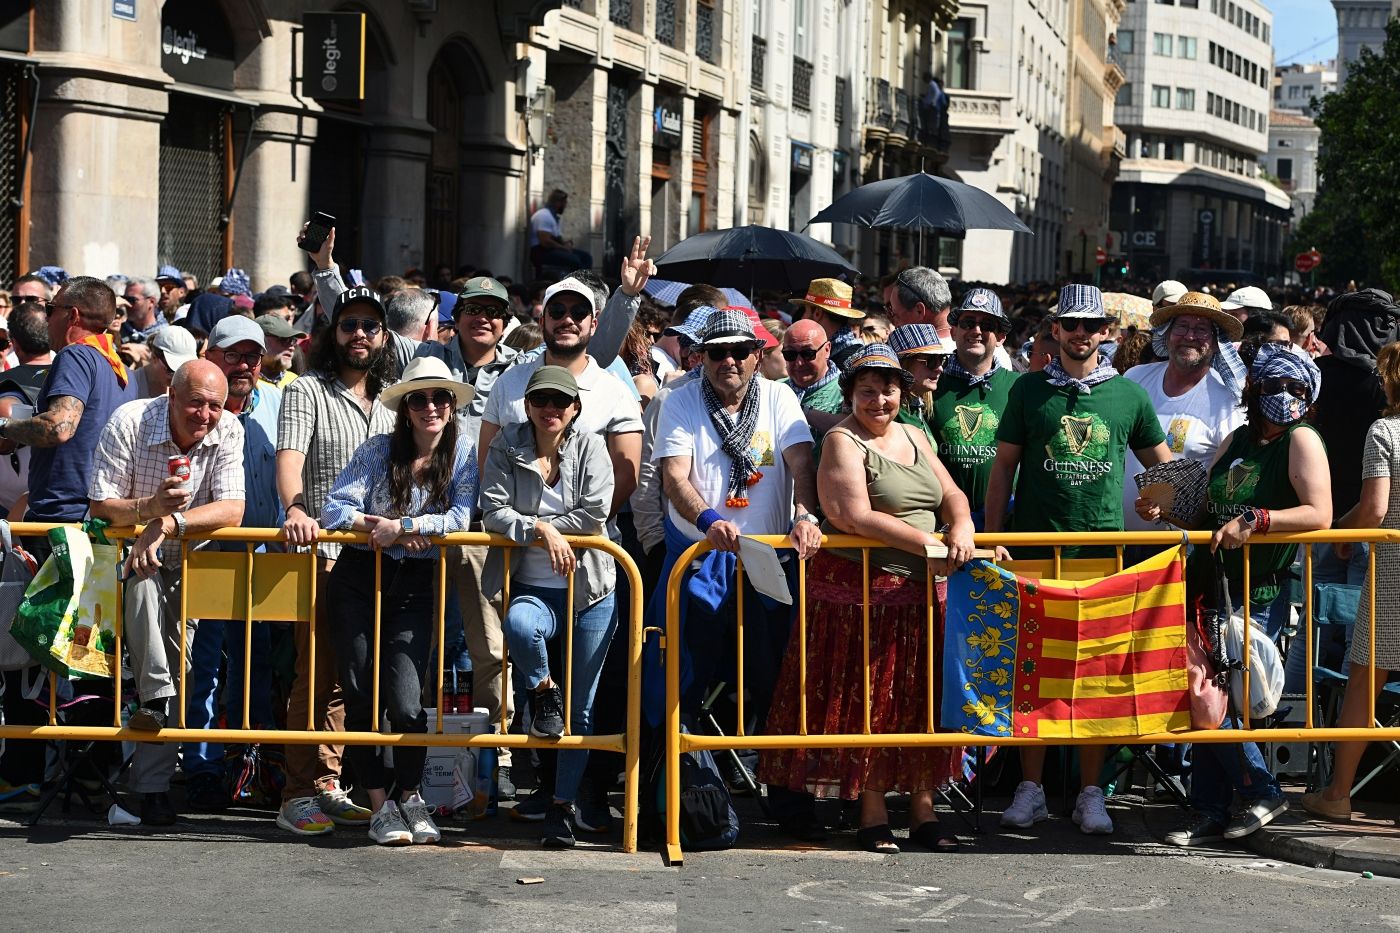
762 568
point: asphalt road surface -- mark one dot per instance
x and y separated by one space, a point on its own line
239 872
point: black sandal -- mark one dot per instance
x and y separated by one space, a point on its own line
877 839
933 836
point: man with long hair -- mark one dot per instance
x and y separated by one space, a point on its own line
326 414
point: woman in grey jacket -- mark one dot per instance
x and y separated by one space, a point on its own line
548 480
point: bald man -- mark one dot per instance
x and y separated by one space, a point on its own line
131 485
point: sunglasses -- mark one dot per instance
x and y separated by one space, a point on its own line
494 312
988 324
371 327
233 358
737 352
1089 325
655 335
929 360
419 401
806 353
556 400
1275 385
557 312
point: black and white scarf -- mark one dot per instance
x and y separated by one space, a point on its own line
736 437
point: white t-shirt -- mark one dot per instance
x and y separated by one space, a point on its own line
607 407
534 567
685 430
1196 424
661 364
544 221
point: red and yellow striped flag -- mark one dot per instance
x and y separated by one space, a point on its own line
1067 659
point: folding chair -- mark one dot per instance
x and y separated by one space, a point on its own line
76 759
1334 605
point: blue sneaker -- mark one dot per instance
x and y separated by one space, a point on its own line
18 793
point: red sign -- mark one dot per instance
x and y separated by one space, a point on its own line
1307 262
1100 256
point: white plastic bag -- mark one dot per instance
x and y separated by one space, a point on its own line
1265 668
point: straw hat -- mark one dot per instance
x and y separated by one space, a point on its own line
832 296
1200 305
425 373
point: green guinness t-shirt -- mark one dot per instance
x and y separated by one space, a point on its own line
965 419
1073 449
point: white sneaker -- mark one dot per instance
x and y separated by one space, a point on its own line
387 827
1027 807
1090 815
419 817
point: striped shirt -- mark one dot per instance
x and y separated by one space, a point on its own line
324 420
132 460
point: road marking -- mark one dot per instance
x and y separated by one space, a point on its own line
1041 911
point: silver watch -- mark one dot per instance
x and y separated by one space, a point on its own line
808 517
179 523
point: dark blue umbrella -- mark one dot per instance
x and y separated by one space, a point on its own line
753 258
922 201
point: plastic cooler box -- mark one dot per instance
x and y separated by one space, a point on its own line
437 770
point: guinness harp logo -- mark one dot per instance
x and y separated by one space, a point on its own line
1078 432
970 418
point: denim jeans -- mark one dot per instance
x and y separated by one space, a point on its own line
1331 641
202 693
407 621
531 623
1218 770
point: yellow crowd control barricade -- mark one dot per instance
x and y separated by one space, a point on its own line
273 585
1057 568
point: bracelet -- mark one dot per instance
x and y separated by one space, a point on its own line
705 519
1263 523
298 505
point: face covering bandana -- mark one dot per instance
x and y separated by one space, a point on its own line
1283 408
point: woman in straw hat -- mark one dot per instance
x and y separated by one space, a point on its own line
418 481
882 479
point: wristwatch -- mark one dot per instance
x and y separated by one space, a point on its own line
179 523
807 517
4 426
1250 517
406 523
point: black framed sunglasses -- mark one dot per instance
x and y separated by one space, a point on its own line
806 353
491 311
578 312
371 327
736 351
556 400
419 401
1087 324
1274 385
51 306
987 323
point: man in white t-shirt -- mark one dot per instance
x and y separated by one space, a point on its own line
1196 397
547 244
735 456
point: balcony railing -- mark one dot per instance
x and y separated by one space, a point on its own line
903 118
840 101
666 22
705 32
802 84
758 59
879 108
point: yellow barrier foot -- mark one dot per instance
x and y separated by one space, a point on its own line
674 858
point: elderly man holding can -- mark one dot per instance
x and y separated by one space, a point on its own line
175 466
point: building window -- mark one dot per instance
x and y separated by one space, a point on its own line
1285 170
1285 144
705 14
666 22
1162 44
959 71
1185 98
799 28
1186 47
1125 95
759 58
1161 96
1125 41
802 84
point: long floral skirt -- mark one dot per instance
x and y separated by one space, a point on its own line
899 677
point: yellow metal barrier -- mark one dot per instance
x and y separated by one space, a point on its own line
281 587
678 742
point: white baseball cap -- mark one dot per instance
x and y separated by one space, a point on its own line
1168 292
1251 296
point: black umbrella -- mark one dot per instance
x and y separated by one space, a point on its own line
922 201
753 258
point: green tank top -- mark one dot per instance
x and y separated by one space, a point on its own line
1255 475
909 492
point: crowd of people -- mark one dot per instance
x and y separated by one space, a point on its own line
663 414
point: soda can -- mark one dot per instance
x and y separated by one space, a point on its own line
179 465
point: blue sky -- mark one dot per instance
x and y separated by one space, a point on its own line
1299 24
